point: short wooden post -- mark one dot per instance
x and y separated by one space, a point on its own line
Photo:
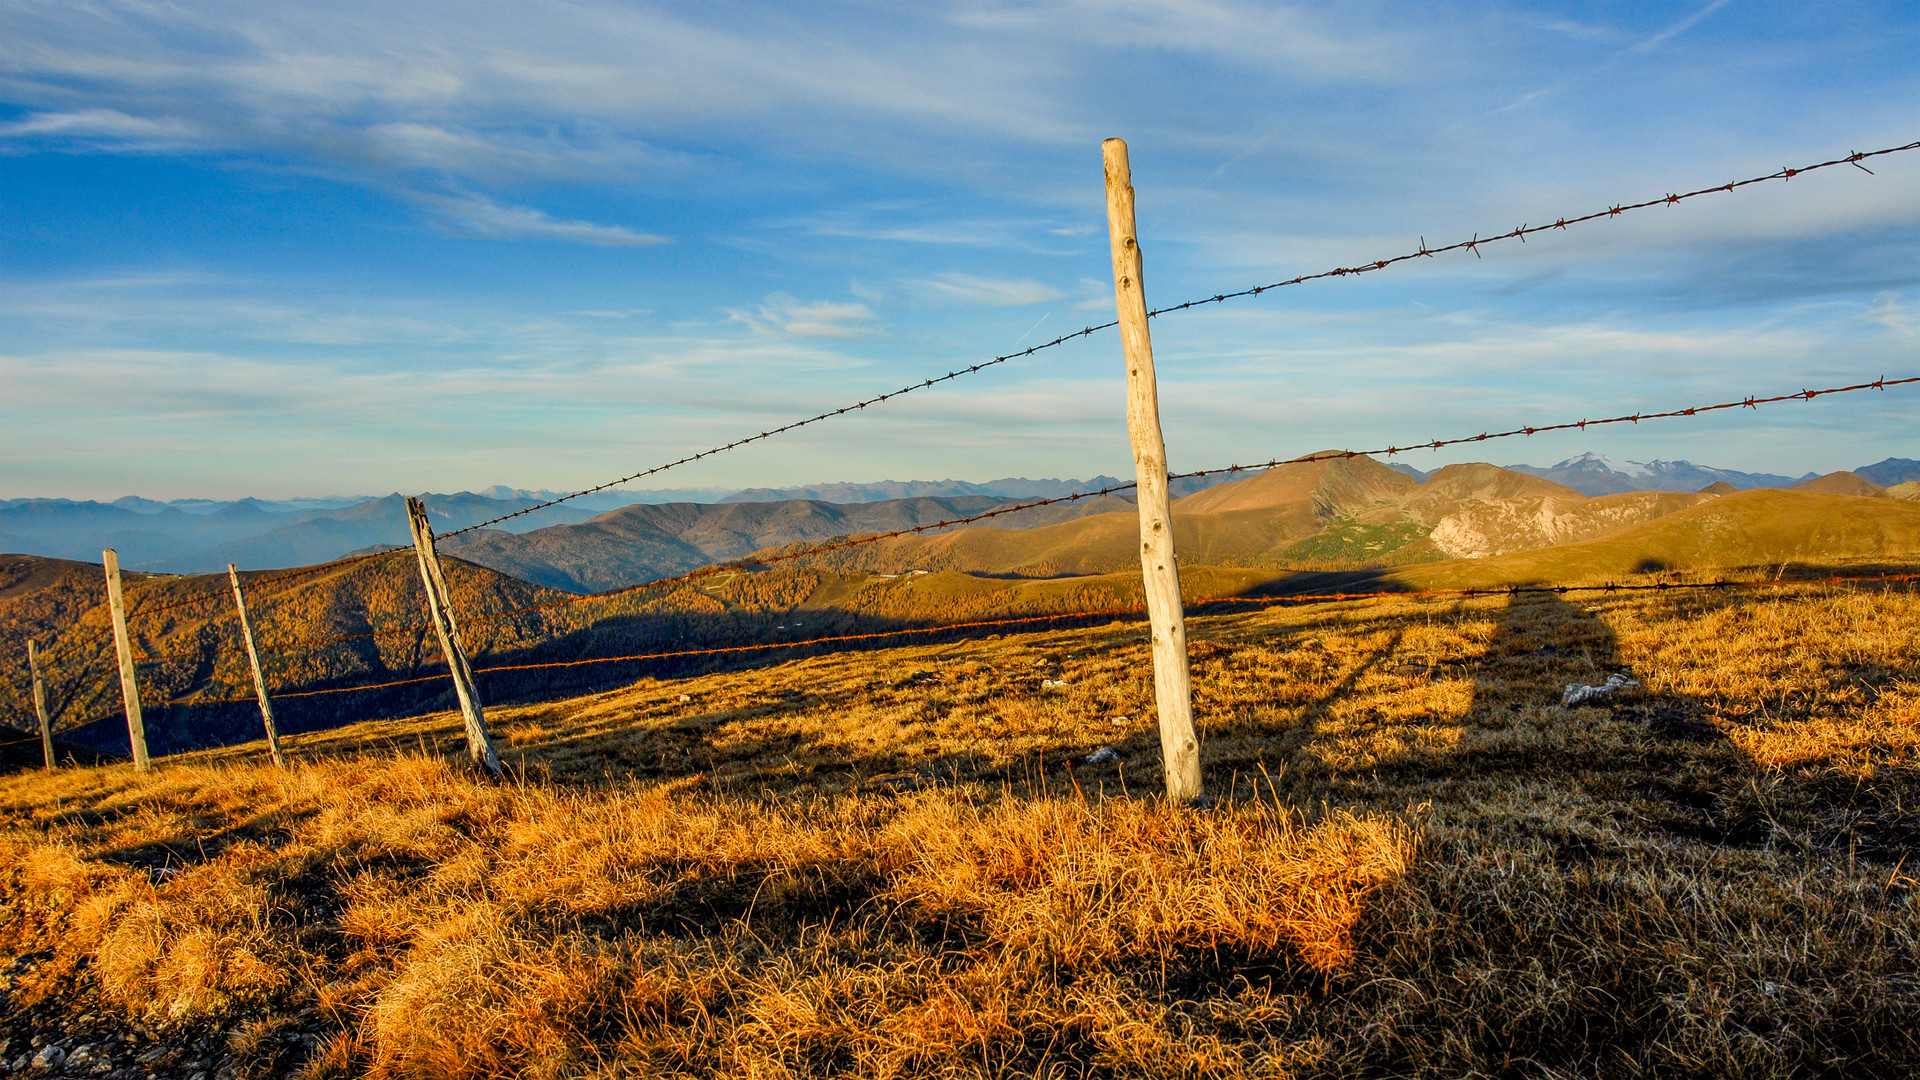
129 690
1172 688
40 703
253 659
479 745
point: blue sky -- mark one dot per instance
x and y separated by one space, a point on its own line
301 249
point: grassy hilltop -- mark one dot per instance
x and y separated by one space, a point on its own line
894 858
895 864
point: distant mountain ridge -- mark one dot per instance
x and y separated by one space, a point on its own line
1598 474
203 535
1011 487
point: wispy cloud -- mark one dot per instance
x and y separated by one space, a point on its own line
1640 47
1888 311
787 315
958 288
480 215
107 126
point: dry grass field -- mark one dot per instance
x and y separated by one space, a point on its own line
898 864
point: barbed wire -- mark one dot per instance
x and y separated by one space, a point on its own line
1633 418
1474 245
1424 252
860 541
1300 598
782 429
1112 489
1094 613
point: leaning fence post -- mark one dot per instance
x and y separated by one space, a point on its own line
40 703
253 659
1172 689
129 690
479 745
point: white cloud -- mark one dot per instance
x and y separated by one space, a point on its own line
1888 311
482 216
784 314
108 126
961 288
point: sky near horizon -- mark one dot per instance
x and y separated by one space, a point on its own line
298 249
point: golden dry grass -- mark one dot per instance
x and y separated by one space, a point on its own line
881 865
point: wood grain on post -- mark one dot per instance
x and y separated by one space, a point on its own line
1172 688
40 703
479 745
129 690
253 659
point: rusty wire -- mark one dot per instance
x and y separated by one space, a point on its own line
1322 455
840 545
1264 601
1424 252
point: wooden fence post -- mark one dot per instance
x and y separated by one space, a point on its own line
479 745
1172 688
40 703
253 659
129 690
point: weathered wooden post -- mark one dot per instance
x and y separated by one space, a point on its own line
40 703
1172 689
479 745
253 659
129 690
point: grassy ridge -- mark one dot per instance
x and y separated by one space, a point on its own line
879 865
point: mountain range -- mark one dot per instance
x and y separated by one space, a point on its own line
1598 474
202 536
1303 527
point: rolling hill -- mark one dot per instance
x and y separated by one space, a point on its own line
1842 483
1321 514
639 543
1764 527
1332 523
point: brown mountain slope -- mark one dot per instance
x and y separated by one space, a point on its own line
1909 491
1093 545
193 650
1841 483
1751 528
638 543
1338 509
1445 491
1335 487
1502 526
39 600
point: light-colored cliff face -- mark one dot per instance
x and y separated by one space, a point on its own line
1500 526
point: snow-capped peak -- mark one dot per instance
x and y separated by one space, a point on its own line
1592 460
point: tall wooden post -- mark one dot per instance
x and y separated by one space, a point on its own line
479 745
129 690
1172 689
253 659
40 703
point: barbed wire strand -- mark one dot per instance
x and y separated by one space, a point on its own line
1424 252
1267 601
1521 233
1750 401
1322 455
